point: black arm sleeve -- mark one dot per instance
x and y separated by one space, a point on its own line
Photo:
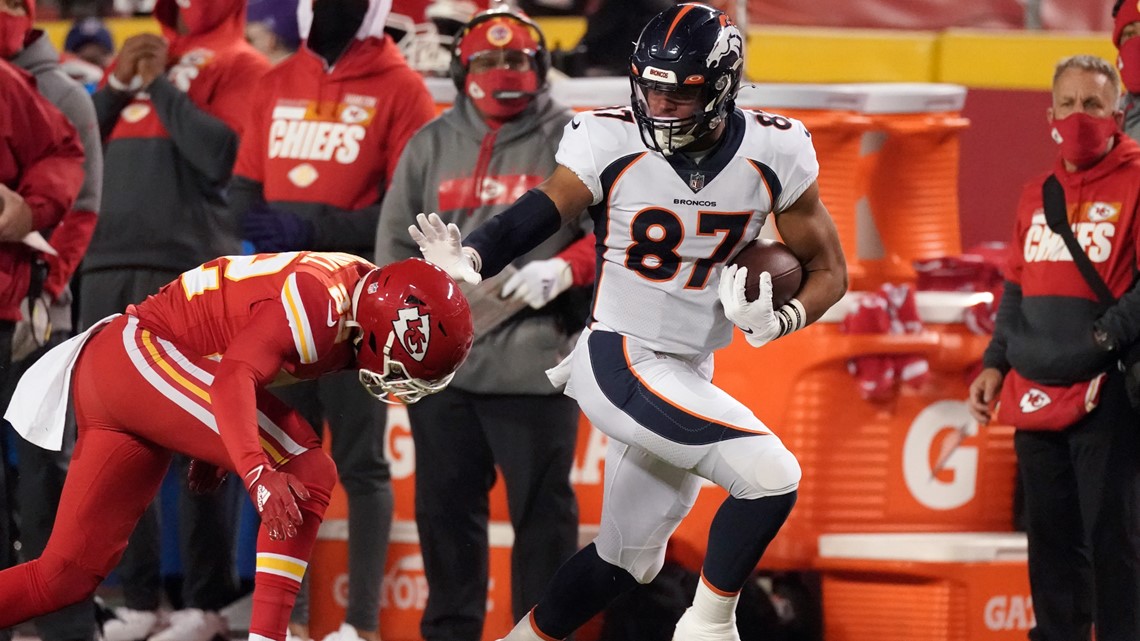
346 230
1007 315
1122 320
108 104
518 229
243 194
203 140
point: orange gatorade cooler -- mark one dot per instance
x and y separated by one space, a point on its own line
925 587
909 182
832 115
916 463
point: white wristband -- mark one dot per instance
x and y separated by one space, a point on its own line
792 317
474 257
117 85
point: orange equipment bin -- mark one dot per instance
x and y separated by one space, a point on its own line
925 587
908 183
916 463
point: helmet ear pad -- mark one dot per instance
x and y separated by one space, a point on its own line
458 70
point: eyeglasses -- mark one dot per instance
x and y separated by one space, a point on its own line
509 59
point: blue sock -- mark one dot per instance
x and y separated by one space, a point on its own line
740 532
581 588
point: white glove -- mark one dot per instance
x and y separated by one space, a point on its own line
759 322
440 244
539 282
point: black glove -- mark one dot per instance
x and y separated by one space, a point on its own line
272 230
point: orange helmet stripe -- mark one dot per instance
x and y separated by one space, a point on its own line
680 14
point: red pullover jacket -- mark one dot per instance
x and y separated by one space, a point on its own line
323 142
41 158
1045 321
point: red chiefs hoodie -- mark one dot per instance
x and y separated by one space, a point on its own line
322 142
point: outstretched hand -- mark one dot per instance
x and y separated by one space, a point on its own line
442 246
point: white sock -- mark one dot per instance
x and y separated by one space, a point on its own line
711 607
524 631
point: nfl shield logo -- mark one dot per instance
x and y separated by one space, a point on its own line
696 181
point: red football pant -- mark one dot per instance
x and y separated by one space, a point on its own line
138 398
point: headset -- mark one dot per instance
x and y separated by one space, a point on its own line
458 70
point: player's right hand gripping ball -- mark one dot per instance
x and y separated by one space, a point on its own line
764 255
756 314
441 245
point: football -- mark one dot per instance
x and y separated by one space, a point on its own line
774 257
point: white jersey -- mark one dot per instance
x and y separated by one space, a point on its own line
666 226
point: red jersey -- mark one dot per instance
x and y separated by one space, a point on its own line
207 306
267 318
1102 204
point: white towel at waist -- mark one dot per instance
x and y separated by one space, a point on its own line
39 405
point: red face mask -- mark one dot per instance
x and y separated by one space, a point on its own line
13 31
1083 138
482 88
1128 61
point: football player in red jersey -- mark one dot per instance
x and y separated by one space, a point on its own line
186 371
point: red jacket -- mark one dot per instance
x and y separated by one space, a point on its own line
41 158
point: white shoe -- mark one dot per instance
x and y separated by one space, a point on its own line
130 625
193 624
289 636
346 632
692 628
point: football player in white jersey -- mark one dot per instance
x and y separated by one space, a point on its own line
677 184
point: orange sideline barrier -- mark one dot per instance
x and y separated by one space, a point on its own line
926 587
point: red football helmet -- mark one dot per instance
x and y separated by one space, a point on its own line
415 330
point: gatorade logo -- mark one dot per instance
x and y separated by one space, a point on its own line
1009 612
340 589
399 448
405 586
940 470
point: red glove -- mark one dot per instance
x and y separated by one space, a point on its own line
275 496
204 478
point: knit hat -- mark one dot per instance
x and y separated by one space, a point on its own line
86 31
280 16
1128 13
503 32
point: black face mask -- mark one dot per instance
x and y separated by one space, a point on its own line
335 23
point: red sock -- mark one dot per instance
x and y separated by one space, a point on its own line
281 564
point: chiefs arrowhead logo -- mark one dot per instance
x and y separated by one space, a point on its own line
303 175
413 331
1033 400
